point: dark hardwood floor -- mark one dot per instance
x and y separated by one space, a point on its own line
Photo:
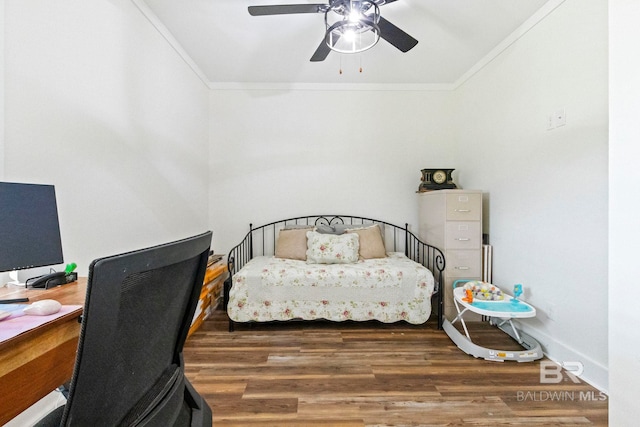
373 374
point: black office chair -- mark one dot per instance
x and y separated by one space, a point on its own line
129 369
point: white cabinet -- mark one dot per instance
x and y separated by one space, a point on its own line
451 220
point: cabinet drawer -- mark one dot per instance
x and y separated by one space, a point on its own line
461 263
464 207
463 235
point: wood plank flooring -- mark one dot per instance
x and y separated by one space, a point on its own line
373 374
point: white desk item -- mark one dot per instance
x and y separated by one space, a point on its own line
43 307
500 314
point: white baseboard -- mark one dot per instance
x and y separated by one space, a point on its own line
594 373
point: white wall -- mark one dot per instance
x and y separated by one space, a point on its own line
97 103
4 277
546 190
280 154
2 92
624 227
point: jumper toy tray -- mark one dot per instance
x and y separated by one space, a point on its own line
500 313
507 308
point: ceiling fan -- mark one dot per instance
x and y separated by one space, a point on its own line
352 26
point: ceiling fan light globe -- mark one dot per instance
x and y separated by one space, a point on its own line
352 25
347 37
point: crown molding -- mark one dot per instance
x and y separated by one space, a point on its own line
523 29
330 86
168 36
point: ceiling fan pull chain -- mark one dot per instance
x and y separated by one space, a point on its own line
340 64
360 64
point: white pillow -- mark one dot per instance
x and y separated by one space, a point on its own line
331 248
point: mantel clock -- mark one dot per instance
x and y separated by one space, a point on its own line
436 179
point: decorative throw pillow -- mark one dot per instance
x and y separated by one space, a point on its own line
371 244
331 248
326 229
292 243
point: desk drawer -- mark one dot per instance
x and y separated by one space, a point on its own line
464 263
464 207
463 235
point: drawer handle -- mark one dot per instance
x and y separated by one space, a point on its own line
462 210
462 268
463 239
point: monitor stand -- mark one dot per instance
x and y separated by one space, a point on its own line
14 281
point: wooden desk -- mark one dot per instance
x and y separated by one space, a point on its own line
36 362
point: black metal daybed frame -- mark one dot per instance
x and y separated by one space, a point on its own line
261 241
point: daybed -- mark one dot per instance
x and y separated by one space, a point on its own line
333 267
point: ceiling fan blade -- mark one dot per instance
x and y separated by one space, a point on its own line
285 9
387 2
396 36
321 52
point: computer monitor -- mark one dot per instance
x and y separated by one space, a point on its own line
29 227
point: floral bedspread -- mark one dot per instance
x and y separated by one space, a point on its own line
385 289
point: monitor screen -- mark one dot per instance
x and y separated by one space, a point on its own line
29 228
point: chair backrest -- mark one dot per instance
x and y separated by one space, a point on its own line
137 314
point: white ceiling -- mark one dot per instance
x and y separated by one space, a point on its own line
226 45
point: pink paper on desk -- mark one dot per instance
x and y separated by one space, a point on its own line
19 323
